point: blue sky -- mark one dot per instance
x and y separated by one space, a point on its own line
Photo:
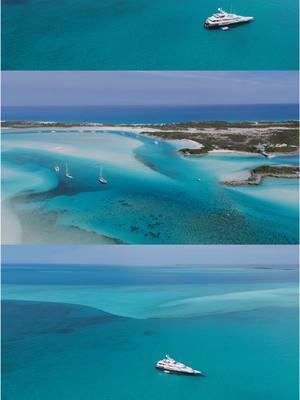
76 88
151 255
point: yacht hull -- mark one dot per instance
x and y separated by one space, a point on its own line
178 372
220 26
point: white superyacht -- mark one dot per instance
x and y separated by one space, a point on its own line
222 19
170 366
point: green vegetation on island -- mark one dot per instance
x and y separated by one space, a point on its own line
259 173
254 137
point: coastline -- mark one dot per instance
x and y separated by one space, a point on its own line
268 139
257 175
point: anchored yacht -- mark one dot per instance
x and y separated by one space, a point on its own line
223 19
170 366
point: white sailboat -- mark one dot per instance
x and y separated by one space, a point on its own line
101 179
67 174
56 168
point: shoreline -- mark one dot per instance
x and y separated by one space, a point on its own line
162 125
268 139
257 175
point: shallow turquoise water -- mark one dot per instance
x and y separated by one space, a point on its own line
150 185
143 34
53 349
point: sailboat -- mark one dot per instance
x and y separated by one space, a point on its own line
101 179
67 173
56 168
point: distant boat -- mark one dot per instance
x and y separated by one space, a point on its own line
267 155
101 179
67 173
56 168
170 366
155 142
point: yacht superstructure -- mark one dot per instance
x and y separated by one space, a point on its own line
170 366
223 19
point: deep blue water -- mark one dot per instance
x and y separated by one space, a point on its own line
62 274
154 114
64 340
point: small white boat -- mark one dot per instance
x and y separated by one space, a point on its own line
101 179
267 155
56 168
67 174
155 142
225 28
170 366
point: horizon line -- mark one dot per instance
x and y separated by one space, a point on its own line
148 265
151 105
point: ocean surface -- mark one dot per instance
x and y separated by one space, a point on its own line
149 186
145 35
88 332
154 114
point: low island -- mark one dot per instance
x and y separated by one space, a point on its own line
258 174
266 138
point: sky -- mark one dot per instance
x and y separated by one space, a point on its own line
139 255
82 88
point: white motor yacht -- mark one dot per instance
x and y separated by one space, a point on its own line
170 366
223 19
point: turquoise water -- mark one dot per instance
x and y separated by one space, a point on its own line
143 34
238 325
149 187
